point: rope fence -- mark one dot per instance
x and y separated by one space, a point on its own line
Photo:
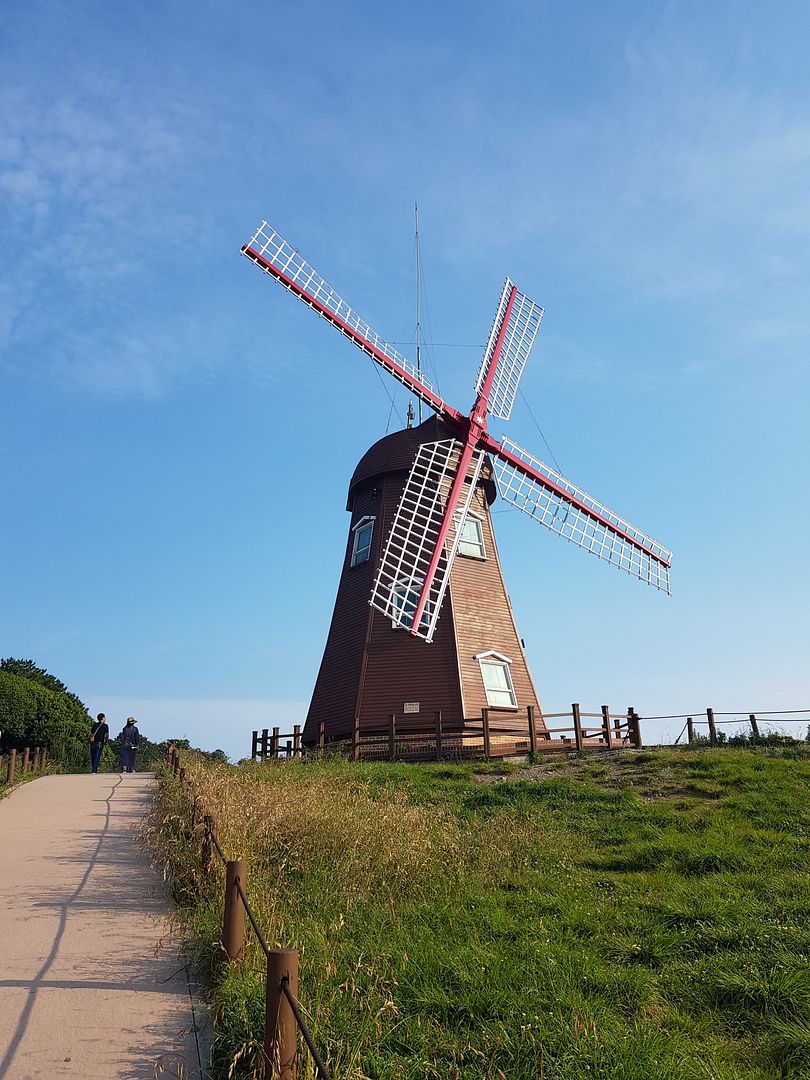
283 1019
753 719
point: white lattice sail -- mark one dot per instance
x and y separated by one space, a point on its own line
415 530
521 330
276 257
574 515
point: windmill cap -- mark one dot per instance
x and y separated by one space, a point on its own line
395 453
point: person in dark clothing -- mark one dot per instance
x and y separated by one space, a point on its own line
130 737
99 737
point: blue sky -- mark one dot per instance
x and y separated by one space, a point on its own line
177 433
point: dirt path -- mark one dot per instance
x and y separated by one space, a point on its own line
90 984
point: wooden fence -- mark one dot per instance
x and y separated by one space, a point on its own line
497 734
29 759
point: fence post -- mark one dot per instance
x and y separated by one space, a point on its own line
297 741
532 729
233 919
712 728
392 737
44 760
254 745
636 740
754 725
12 762
356 739
485 726
275 744
182 776
438 734
607 730
321 738
280 1036
577 726
25 757
690 730
264 744
176 764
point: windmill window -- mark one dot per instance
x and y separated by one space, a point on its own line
404 598
497 680
472 538
361 544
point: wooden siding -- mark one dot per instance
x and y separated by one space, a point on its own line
483 621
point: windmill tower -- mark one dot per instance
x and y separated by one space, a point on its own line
421 552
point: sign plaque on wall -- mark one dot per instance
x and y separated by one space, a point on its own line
410 707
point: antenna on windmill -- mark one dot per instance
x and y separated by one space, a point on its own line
418 305
411 415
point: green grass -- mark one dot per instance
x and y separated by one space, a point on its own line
645 915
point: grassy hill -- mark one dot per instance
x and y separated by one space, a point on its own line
642 915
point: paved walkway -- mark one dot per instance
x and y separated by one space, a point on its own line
91 985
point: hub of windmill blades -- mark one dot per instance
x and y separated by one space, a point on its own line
415 565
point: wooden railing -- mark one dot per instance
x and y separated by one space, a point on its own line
31 759
498 733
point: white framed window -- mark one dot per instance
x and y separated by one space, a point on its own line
497 680
472 538
361 544
404 598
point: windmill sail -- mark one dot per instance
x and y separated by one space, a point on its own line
556 503
271 253
521 330
414 533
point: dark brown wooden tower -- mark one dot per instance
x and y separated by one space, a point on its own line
370 669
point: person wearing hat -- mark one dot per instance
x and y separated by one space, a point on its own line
130 737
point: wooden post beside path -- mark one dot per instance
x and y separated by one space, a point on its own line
12 764
233 920
754 725
280 1035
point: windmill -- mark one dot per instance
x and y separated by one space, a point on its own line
453 459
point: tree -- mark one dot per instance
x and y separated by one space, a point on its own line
37 709
27 669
